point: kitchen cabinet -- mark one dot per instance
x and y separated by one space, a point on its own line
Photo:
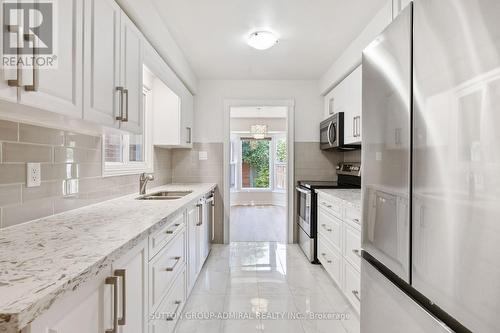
339 244
102 62
346 97
59 89
173 105
132 272
113 68
88 309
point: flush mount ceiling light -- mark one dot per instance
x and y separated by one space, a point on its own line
258 131
262 40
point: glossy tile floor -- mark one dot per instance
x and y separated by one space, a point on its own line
258 224
250 278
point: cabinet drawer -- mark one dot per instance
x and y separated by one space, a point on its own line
330 204
330 227
165 318
330 259
352 215
160 238
164 267
352 245
352 284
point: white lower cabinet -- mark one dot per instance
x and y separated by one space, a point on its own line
339 245
144 290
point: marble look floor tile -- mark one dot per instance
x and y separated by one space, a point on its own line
241 326
211 282
278 304
199 326
313 303
205 303
288 326
322 326
244 304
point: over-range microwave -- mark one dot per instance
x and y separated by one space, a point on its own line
332 134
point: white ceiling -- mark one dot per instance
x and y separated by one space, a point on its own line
313 34
259 112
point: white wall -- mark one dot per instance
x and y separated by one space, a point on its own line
244 124
209 105
351 57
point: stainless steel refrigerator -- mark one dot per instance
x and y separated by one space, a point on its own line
431 170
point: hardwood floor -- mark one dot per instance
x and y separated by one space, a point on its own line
258 224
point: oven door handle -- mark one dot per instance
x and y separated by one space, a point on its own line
301 190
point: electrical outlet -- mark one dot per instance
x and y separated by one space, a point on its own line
33 175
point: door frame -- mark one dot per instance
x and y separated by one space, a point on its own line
290 105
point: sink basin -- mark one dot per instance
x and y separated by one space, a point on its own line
165 195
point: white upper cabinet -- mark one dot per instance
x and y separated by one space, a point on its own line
59 89
346 97
131 76
113 68
102 62
173 105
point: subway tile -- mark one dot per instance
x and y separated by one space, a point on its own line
8 130
22 153
12 173
42 135
76 155
45 190
13 215
10 194
75 140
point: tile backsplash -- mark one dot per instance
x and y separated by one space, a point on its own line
71 172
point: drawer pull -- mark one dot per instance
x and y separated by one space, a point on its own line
327 205
324 255
170 232
113 280
170 269
356 294
356 220
356 252
122 273
327 229
172 317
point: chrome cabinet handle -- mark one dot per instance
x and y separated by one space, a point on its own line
113 280
125 119
170 232
200 214
170 269
15 82
324 255
327 205
356 220
188 129
354 126
178 303
356 252
356 294
120 116
34 86
121 273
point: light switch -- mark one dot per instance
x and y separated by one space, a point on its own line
203 155
33 175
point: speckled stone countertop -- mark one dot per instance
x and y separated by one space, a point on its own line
43 259
350 196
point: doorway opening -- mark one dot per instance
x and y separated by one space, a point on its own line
258 174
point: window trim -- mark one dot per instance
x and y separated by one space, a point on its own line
110 169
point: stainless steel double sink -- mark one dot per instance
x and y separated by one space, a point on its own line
165 195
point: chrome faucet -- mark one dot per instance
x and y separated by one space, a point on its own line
143 181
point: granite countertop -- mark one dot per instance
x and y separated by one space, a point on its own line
43 259
350 196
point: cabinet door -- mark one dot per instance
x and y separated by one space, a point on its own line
89 309
132 270
131 75
102 62
59 89
187 110
353 102
193 245
7 93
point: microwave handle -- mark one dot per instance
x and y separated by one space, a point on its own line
328 133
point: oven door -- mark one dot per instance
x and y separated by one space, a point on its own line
304 208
